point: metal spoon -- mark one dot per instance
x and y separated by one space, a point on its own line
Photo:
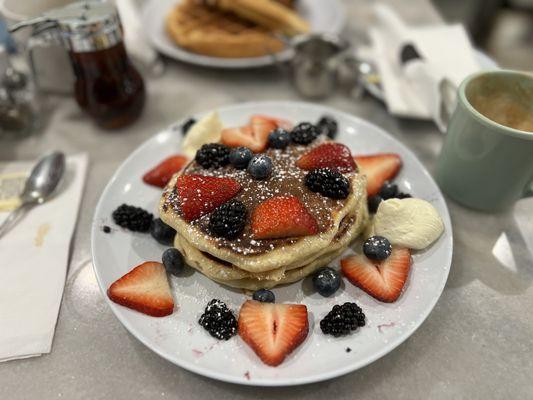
42 182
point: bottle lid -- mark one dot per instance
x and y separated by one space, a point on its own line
81 26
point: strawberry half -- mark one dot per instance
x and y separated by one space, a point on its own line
383 280
328 155
255 135
378 168
163 172
281 217
145 289
273 330
199 195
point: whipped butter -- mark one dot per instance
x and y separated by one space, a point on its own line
206 130
411 223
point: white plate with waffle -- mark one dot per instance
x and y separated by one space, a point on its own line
323 16
181 340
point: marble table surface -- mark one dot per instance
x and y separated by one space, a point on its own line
477 342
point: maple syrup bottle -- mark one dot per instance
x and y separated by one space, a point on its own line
107 87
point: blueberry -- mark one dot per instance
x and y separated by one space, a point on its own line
373 203
173 261
187 125
260 166
240 157
161 232
326 281
377 248
279 138
328 126
389 190
264 296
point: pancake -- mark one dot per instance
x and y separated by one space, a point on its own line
257 256
230 275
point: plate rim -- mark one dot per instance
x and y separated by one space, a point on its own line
229 63
270 382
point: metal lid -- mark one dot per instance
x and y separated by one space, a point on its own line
82 26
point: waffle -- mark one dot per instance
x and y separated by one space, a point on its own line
216 33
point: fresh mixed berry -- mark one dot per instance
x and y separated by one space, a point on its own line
304 133
162 232
187 125
173 261
326 281
343 320
279 138
218 320
373 203
377 248
328 126
228 220
264 296
213 155
328 183
133 218
240 157
388 190
260 166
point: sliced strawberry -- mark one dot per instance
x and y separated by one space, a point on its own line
162 173
199 195
382 280
273 330
255 135
261 128
378 168
242 136
145 289
328 155
279 122
281 217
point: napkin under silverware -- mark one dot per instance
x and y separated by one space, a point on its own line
34 257
423 87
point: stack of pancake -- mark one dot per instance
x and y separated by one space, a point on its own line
233 28
253 264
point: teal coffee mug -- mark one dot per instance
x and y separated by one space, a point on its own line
486 161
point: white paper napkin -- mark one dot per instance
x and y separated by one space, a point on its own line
418 88
33 264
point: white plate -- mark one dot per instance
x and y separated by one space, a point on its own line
324 16
180 339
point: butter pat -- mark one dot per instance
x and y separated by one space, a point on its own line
11 186
207 130
411 223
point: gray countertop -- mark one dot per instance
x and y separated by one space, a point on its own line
477 342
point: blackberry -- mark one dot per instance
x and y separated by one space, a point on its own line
373 203
327 126
213 155
228 220
218 320
304 133
328 183
342 320
133 218
388 190
402 195
187 125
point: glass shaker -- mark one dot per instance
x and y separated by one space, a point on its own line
107 85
